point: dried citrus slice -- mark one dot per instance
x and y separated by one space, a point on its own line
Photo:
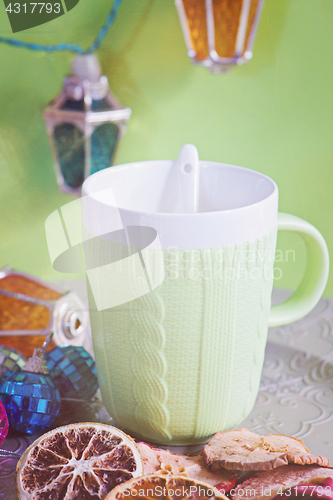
194 466
77 462
281 481
164 487
242 449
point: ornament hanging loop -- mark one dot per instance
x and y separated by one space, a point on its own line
42 351
37 364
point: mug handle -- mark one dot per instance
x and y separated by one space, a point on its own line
315 278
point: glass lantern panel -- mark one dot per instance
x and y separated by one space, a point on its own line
21 284
69 142
100 105
72 105
103 144
227 15
252 16
18 314
195 11
96 105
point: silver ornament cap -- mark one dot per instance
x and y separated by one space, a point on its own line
37 364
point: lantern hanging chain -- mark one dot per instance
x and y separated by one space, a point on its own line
71 47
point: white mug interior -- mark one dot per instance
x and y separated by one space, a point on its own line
235 204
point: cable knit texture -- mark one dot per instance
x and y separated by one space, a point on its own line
149 365
184 361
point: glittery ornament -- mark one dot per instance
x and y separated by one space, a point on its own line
30 397
4 425
73 371
219 34
11 360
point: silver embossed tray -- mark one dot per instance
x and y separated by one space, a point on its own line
296 392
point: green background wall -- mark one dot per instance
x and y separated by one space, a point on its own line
273 114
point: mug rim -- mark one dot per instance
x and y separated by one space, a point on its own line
180 229
202 163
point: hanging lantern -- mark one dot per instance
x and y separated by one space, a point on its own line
84 124
30 308
219 33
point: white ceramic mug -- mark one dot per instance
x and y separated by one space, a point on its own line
183 359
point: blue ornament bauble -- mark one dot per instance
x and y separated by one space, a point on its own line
31 400
73 371
11 360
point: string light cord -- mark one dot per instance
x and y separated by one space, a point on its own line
8 454
71 47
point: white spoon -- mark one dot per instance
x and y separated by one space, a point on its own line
188 165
